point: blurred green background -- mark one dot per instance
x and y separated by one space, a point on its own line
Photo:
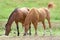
7 6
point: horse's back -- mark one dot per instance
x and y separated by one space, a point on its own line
21 14
24 10
43 13
34 14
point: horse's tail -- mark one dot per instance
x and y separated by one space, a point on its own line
51 5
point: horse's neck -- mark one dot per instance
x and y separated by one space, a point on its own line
10 20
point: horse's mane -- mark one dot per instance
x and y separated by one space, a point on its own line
12 14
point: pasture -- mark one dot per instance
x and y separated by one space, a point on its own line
7 6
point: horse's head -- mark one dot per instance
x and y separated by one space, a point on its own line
7 29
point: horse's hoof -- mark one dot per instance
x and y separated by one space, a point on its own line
17 35
4 36
36 34
51 34
29 33
43 35
24 35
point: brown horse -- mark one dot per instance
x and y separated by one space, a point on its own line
38 15
18 15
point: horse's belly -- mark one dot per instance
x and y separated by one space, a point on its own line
20 19
42 18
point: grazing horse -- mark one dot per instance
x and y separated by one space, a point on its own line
18 15
38 15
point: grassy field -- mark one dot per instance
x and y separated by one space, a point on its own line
7 6
55 29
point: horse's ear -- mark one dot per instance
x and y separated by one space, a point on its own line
28 9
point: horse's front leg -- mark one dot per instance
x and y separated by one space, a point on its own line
17 28
44 28
30 29
26 28
50 27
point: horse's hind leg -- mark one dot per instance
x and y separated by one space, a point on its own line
35 26
44 28
17 28
50 26
30 29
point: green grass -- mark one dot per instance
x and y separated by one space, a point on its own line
55 29
7 6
